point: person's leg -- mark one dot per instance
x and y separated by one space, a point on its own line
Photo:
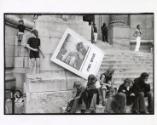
142 107
92 107
135 108
118 103
95 37
103 38
138 40
106 37
32 65
103 96
150 102
74 106
37 65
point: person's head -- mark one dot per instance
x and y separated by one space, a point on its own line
104 24
128 82
21 22
144 77
91 79
35 32
103 77
138 26
77 85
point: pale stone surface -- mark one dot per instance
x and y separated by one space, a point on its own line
20 79
47 102
19 61
47 82
52 42
119 19
9 50
10 34
119 36
9 62
120 32
47 65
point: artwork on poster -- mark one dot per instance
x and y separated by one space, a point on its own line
77 55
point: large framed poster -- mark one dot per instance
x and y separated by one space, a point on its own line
77 55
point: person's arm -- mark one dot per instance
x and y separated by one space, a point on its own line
41 53
29 47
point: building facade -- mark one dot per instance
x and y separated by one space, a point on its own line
51 93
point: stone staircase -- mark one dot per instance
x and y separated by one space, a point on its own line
57 85
127 64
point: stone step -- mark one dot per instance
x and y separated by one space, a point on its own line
126 51
126 68
127 58
48 82
114 52
107 64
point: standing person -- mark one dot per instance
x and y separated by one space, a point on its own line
95 32
21 29
20 33
103 89
142 89
138 34
33 44
104 31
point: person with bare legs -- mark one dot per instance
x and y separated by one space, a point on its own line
33 44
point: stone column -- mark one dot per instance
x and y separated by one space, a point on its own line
119 31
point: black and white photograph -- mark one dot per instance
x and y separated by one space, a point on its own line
79 63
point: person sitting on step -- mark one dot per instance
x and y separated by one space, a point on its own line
141 88
110 90
90 97
126 89
75 103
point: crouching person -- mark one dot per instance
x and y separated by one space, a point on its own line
142 89
90 97
74 104
126 90
118 102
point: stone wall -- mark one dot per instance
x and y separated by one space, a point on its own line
10 34
15 61
53 90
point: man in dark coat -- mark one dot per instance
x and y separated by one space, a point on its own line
104 31
142 89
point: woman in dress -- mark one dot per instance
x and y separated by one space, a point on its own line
138 34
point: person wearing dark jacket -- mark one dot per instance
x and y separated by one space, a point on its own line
142 89
126 89
104 31
118 102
